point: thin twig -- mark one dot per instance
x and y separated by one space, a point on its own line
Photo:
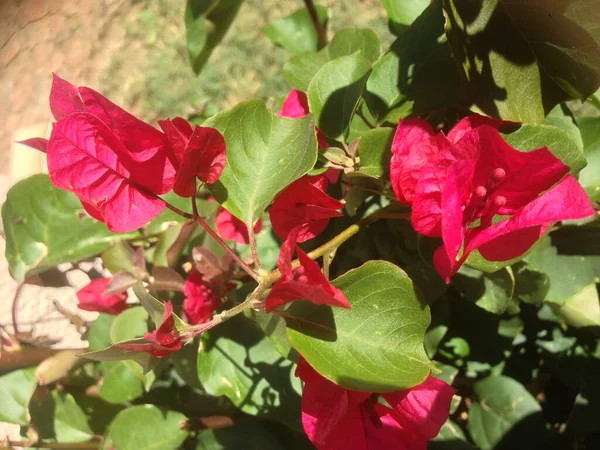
360 114
266 280
253 247
318 26
15 310
176 210
228 249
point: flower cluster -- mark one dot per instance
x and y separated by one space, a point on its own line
118 165
476 192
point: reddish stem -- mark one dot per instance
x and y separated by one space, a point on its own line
15 310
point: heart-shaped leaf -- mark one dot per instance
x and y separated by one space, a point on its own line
376 346
265 153
334 92
146 426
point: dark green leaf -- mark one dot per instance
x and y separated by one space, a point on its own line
516 56
531 286
296 32
206 22
384 330
589 177
401 82
248 435
375 151
351 40
45 226
334 92
274 328
238 361
493 292
502 403
569 273
265 153
146 427
16 388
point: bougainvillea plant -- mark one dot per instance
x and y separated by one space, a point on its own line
400 253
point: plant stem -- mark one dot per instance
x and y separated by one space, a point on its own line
249 270
196 217
176 210
318 27
252 243
360 114
15 310
267 279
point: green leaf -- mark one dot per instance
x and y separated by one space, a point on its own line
384 330
124 380
265 153
114 353
266 244
248 435
519 58
99 333
351 40
275 330
531 286
582 309
493 292
16 388
129 324
562 117
589 177
45 226
559 343
238 361
500 404
296 32
450 437
146 427
404 12
375 151
532 136
401 82
334 92
569 273
206 22
70 422
301 68
154 307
